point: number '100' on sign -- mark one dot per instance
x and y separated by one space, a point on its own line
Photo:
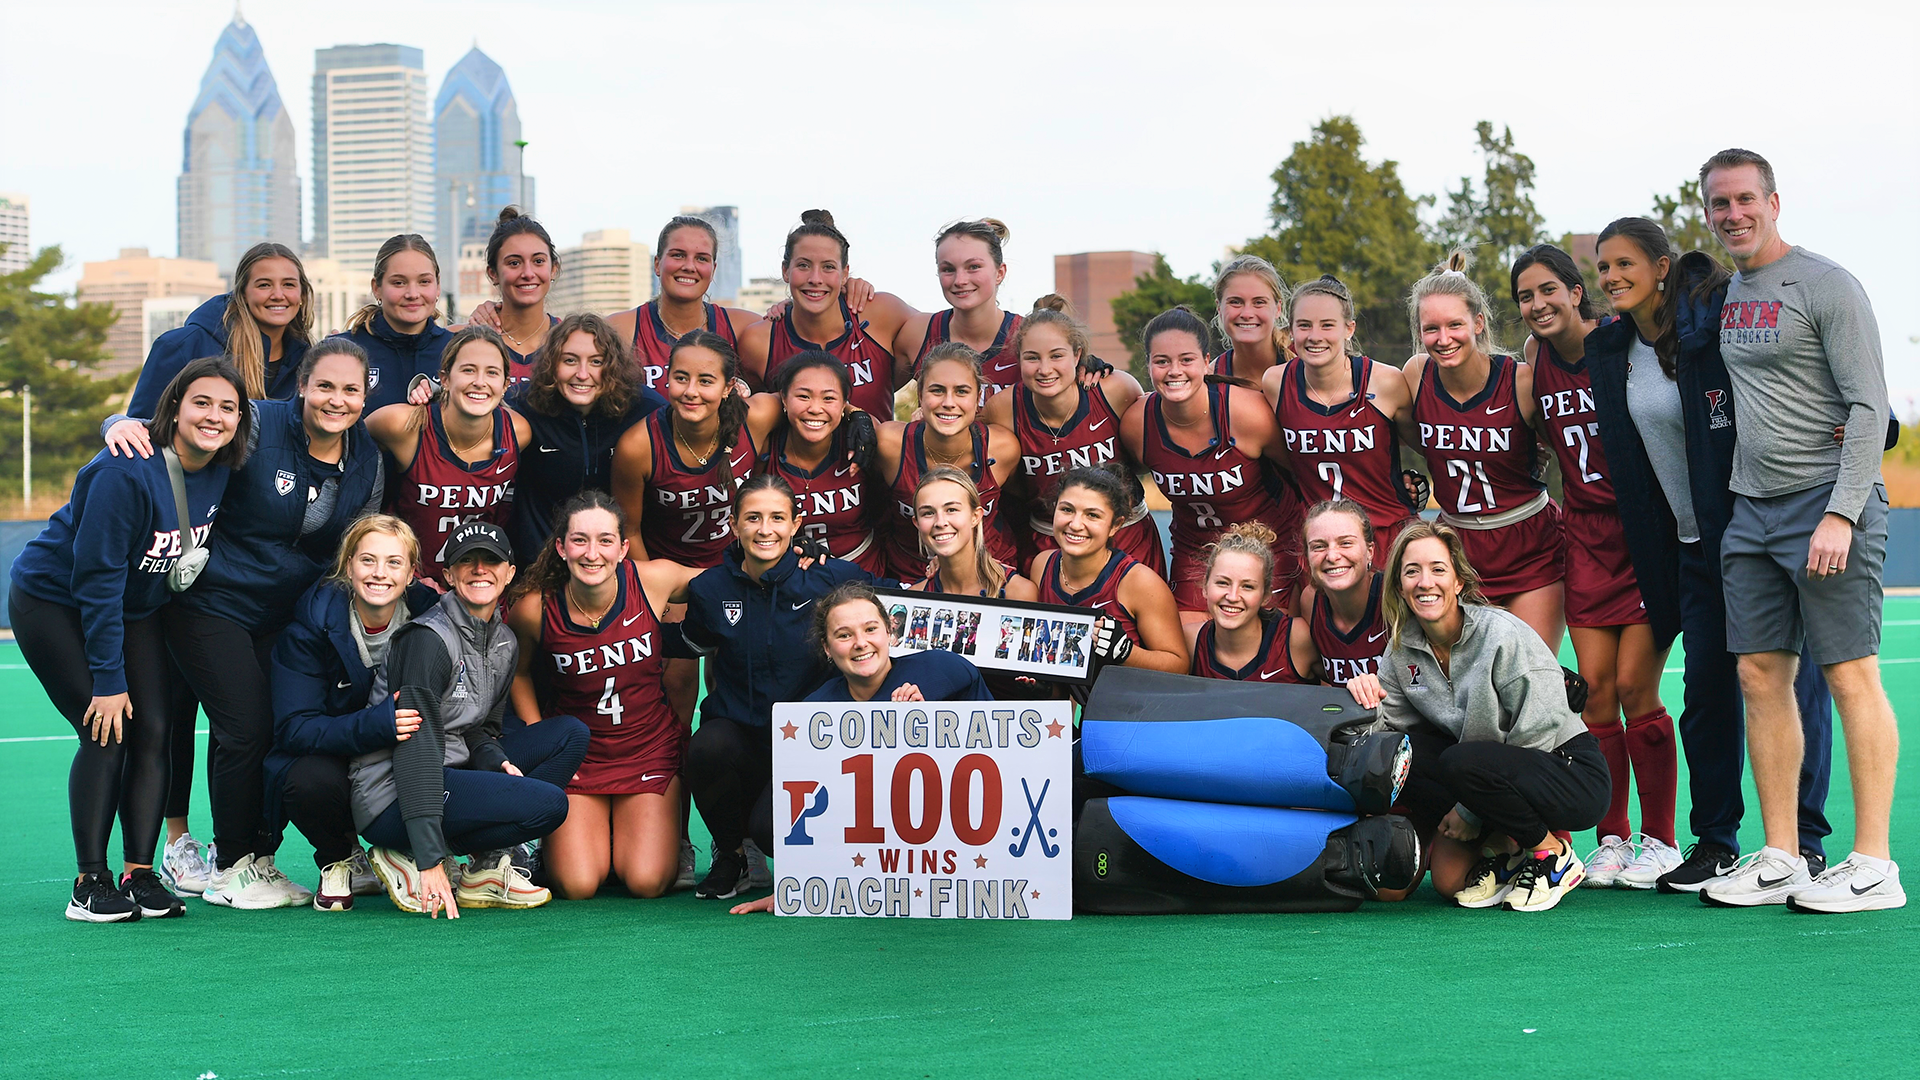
945 810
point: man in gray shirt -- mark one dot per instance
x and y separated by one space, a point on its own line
1803 553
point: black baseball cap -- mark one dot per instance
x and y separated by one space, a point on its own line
478 536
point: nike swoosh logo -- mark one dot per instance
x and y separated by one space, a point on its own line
629 622
842 470
801 604
1265 675
549 449
502 469
644 777
1855 889
1356 412
1795 281
1491 411
1096 427
1775 883
344 684
1376 637
1005 367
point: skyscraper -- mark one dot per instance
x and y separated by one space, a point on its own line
128 282
238 185
726 270
372 152
13 233
476 164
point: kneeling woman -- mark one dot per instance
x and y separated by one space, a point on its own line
459 785
850 626
590 647
1141 625
1500 761
1243 639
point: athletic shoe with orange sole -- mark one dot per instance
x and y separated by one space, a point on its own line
398 873
491 880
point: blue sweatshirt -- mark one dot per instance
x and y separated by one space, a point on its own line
394 358
261 561
760 632
205 334
108 551
569 453
940 675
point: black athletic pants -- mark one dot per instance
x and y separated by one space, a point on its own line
185 710
319 802
226 665
1515 791
128 777
729 768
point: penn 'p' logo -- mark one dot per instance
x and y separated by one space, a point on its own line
283 481
733 610
1717 417
799 811
1413 674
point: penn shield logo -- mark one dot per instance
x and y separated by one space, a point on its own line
373 379
1717 417
733 610
283 481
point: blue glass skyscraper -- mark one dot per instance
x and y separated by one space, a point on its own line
238 184
477 167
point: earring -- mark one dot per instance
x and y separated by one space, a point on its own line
1660 286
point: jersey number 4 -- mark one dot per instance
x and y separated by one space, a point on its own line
610 702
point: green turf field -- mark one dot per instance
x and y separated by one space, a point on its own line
1611 983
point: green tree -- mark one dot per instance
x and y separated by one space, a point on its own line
1684 217
1494 222
1336 213
53 347
1153 293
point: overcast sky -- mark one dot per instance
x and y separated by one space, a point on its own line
1085 126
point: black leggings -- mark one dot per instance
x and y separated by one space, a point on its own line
226 665
1516 792
128 777
319 803
185 710
729 767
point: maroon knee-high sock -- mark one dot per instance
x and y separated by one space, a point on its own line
1656 770
1613 744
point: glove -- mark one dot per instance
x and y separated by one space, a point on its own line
1418 490
815 547
1096 367
1576 689
863 439
1110 643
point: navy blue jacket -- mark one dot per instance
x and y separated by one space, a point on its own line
260 563
569 453
940 675
761 632
320 690
109 550
394 358
205 334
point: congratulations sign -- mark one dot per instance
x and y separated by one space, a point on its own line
930 810
1046 641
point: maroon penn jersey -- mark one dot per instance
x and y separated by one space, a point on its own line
840 502
869 363
1273 663
689 507
438 493
1090 437
1348 450
653 342
1565 393
610 678
520 364
1480 452
1102 596
1356 652
1217 486
999 365
905 560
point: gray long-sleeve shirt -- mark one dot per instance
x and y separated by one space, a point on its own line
1504 685
1803 352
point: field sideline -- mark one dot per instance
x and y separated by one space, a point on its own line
1611 983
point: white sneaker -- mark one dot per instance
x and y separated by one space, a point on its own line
1656 858
298 895
1612 856
491 880
184 865
686 878
336 887
248 885
1767 876
365 881
758 876
401 877
1851 885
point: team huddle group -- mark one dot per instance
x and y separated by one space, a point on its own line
459 583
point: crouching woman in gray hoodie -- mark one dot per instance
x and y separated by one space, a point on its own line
1500 763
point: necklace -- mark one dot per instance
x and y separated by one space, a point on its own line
464 451
698 323
1057 433
698 458
519 345
592 620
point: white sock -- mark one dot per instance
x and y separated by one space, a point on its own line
1878 866
1789 858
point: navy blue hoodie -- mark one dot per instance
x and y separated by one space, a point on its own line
320 692
761 632
261 564
569 453
940 675
205 334
394 358
108 551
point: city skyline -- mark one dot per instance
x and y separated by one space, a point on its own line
1152 144
476 162
239 178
